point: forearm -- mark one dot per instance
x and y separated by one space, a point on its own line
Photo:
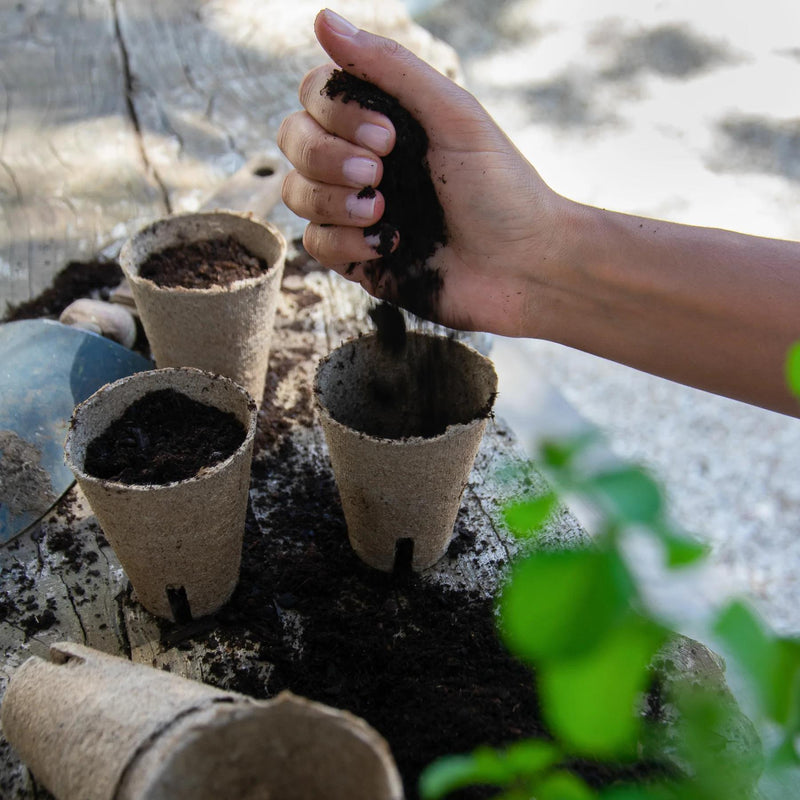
710 308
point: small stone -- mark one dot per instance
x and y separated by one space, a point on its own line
111 320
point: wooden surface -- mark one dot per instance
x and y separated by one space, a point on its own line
62 581
114 113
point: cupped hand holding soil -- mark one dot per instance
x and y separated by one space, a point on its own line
472 214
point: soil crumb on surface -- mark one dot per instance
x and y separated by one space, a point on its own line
412 205
203 265
164 436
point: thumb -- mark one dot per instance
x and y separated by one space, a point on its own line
416 85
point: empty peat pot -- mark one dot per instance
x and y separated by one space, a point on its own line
403 428
225 329
95 727
179 542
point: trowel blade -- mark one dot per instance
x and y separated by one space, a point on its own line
46 369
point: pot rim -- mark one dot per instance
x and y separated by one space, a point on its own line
147 375
126 259
418 441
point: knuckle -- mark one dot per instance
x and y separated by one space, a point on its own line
311 240
306 153
288 190
389 48
305 91
319 201
284 134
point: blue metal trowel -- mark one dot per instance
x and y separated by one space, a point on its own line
46 369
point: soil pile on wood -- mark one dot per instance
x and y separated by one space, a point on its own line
420 662
412 205
78 279
163 437
203 265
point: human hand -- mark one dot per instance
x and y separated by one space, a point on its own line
503 222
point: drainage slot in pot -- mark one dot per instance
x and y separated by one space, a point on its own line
403 555
179 604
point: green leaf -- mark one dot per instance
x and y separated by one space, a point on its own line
773 663
489 767
785 755
681 549
559 454
793 369
530 757
449 774
563 786
650 792
526 517
630 494
562 603
590 702
704 722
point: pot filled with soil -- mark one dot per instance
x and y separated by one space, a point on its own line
95 727
403 422
206 287
164 459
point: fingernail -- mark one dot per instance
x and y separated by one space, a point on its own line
374 137
360 207
339 24
361 171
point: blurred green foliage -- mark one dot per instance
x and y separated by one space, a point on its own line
579 619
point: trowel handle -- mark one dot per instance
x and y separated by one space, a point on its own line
254 187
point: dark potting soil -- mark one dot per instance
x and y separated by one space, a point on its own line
203 265
412 205
164 436
78 279
421 663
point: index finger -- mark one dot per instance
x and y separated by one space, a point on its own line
362 126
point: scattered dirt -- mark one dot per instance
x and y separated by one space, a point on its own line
25 485
78 279
412 205
163 437
421 663
203 265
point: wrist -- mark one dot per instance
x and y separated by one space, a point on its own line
558 269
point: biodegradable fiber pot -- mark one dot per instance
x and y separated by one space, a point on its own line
224 329
403 429
95 727
179 543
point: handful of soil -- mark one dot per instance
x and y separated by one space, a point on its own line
203 265
412 205
164 436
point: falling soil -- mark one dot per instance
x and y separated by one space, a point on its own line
164 436
412 205
203 265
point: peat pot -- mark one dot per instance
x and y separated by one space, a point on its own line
180 542
222 329
95 727
403 428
